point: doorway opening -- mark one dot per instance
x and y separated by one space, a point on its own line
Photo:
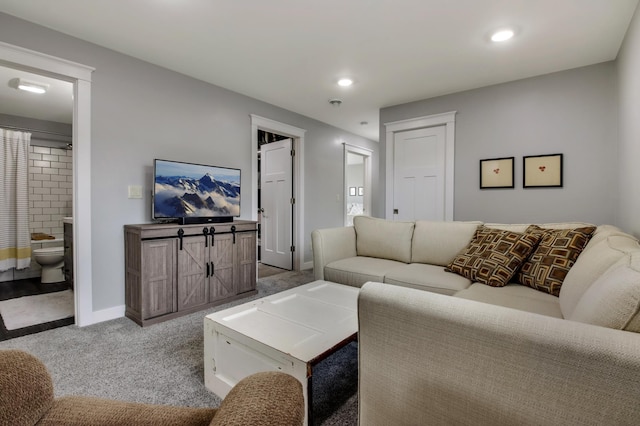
296 136
357 182
80 76
37 295
275 206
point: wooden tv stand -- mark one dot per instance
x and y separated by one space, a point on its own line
173 270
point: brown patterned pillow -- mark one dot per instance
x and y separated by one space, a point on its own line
493 256
549 263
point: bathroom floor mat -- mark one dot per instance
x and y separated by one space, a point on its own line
30 310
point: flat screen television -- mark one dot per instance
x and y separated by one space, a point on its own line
195 193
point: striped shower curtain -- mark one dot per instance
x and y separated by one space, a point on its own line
15 238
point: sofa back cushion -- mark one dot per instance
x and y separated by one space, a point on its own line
522 227
438 243
613 300
384 239
493 256
598 256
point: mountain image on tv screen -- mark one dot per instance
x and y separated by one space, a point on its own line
193 190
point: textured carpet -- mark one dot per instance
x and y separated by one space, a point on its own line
163 363
29 310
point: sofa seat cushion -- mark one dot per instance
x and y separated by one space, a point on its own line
514 296
384 239
356 271
438 243
427 277
493 256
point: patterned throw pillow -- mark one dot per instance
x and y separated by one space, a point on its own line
493 256
549 263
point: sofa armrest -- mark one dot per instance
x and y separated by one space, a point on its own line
263 399
435 359
331 244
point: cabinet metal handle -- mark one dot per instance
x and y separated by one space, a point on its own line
212 269
205 232
212 232
233 231
207 270
180 235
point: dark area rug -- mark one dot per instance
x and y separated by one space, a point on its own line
335 387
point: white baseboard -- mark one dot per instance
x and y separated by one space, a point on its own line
108 314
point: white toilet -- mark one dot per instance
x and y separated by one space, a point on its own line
51 259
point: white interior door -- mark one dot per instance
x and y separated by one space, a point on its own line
419 174
275 199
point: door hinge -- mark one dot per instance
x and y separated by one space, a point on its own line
293 248
293 152
293 200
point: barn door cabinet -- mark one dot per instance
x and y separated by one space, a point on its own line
173 270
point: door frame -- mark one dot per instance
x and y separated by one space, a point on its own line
366 153
447 119
80 75
297 135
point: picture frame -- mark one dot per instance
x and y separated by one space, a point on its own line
497 173
542 171
352 191
360 191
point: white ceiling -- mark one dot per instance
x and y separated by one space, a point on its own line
55 105
290 53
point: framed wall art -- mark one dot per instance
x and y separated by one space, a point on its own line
360 191
496 173
542 171
352 191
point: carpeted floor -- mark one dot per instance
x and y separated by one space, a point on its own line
163 363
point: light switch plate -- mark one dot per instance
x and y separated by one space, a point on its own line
135 191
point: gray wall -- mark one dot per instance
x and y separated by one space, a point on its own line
141 112
629 105
572 112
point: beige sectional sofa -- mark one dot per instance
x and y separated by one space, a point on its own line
487 355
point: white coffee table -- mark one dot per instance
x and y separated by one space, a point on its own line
289 331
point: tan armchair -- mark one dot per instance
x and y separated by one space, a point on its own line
26 398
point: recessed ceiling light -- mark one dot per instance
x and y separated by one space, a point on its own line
345 82
502 35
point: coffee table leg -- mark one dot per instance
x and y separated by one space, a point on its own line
309 394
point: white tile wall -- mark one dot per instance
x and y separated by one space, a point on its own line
50 195
50 188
